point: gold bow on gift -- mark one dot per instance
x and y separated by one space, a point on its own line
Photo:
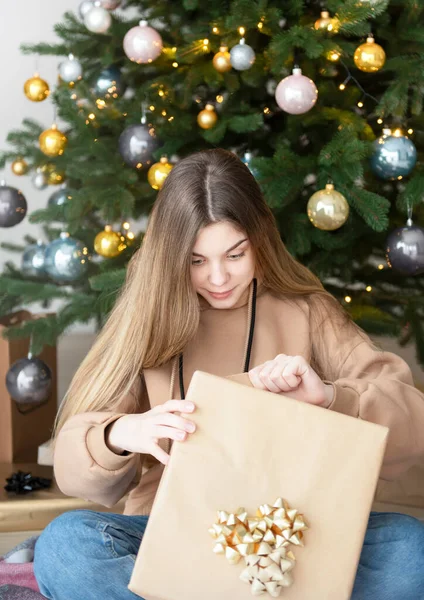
262 542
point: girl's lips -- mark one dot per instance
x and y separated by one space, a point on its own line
221 295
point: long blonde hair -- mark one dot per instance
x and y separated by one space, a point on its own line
157 311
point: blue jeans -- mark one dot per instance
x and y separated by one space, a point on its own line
87 555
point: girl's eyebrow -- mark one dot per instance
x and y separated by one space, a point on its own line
229 249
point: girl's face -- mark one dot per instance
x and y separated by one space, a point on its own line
222 265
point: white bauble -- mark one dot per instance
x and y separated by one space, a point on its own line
70 69
98 19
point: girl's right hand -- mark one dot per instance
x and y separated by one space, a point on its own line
141 432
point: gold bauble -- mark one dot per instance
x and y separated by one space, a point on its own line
369 57
330 24
53 141
222 60
207 117
54 176
36 89
19 166
328 209
158 172
109 243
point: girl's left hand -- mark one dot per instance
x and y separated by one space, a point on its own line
292 376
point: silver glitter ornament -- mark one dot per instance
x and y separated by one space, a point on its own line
242 56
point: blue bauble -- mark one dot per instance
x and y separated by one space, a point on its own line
109 83
394 157
60 197
66 259
405 250
33 260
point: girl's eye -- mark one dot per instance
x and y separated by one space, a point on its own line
199 262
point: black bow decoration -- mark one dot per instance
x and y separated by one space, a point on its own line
23 483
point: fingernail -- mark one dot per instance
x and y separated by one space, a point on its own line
190 405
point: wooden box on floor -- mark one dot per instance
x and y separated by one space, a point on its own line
33 511
21 434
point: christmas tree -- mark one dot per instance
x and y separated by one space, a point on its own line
323 104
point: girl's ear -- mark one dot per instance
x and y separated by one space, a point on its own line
241 378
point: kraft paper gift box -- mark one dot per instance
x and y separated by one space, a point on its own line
250 448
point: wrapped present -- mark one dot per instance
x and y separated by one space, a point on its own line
270 496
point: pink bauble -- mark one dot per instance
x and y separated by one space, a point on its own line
296 94
142 44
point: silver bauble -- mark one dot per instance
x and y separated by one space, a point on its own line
405 249
29 380
70 69
242 56
137 144
39 180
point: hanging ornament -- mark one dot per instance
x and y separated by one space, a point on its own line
33 260
109 83
142 44
327 209
19 166
222 60
29 380
60 197
405 249
242 56
39 179
70 70
394 155
85 7
369 57
97 19
158 172
66 259
247 157
137 144
327 23
207 117
296 94
36 89
52 141
53 175
109 243
110 4
13 205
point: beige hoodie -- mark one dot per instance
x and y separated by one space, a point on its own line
372 385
